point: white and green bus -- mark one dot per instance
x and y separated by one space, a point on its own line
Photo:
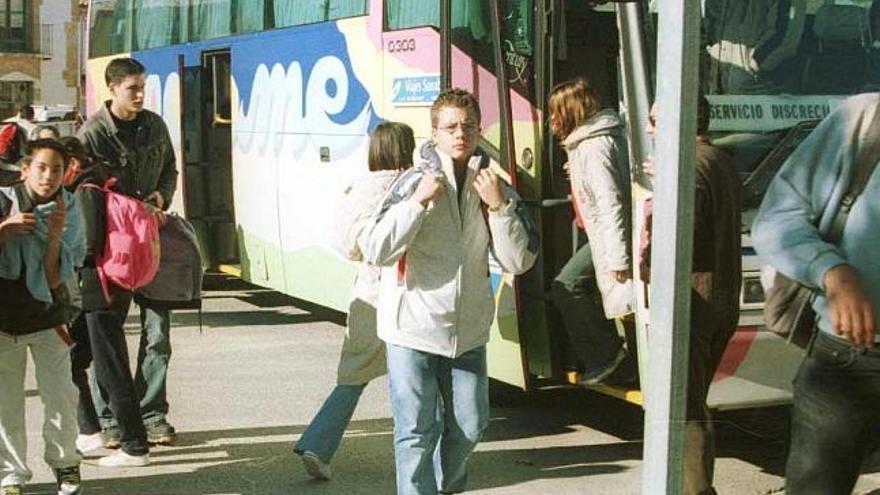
270 104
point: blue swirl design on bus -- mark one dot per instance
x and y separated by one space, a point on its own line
297 87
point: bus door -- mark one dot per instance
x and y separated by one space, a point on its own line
580 40
477 45
208 156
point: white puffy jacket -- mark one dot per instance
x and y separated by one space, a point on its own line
599 173
440 301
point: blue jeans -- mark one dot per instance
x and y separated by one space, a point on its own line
154 353
834 422
441 408
592 338
327 427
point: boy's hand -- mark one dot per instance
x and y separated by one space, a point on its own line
648 167
486 184
55 222
160 215
156 199
852 315
18 224
429 188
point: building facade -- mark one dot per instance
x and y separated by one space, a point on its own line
41 53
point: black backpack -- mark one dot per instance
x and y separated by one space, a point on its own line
178 283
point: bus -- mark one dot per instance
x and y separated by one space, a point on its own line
270 104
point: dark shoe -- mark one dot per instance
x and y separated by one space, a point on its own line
316 468
68 481
594 377
161 434
112 437
626 375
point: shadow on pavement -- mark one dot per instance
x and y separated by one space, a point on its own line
218 462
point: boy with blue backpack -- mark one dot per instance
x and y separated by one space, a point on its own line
41 245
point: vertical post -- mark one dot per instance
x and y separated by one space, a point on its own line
668 336
445 44
634 79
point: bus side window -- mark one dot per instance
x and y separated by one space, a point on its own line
298 13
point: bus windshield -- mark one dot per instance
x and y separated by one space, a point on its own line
769 64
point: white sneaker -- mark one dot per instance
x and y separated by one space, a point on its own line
121 459
316 468
89 443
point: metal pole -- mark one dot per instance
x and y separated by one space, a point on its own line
508 147
445 44
668 336
634 81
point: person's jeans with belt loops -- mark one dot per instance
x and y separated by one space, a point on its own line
835 418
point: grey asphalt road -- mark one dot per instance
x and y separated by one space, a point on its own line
244 388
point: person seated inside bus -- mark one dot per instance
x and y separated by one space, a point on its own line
751 45
595 284
716 277
363 353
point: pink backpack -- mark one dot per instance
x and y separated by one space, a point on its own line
131 248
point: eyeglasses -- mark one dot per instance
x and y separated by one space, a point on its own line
466 128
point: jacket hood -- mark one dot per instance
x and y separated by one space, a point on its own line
604 123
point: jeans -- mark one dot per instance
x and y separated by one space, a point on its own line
834 419
592 338
111 369
51 355
327 427
154 353
80 360
441 408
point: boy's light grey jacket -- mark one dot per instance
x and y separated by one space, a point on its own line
804 196
440 302
599 174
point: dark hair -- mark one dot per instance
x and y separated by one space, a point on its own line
75 149
50 127
573 102
456 98
41 144
702 115
120 68
391 147
25 110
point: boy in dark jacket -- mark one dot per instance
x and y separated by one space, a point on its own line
41 245
135 146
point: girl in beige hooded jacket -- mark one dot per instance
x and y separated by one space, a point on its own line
363 354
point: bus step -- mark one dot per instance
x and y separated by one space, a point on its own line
234 270
631 395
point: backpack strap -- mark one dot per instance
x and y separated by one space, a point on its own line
866 161
5 205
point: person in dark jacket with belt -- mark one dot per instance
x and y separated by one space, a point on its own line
716 277
134 146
